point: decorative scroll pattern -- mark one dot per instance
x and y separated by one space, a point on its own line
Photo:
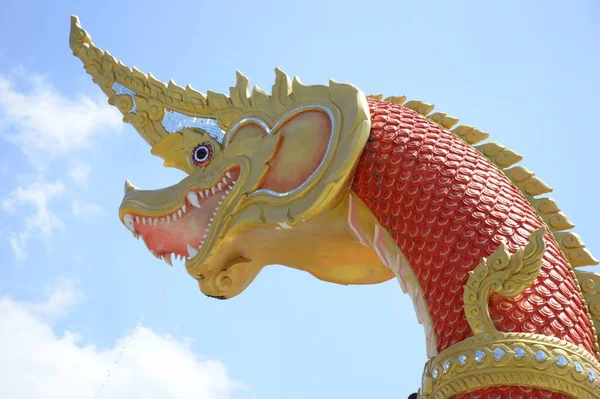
492 358
590 286
532 360
503 274
127 105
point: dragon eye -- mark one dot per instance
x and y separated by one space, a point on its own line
202 154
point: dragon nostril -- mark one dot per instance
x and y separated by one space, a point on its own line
222 297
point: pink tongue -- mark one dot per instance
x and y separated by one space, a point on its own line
173 237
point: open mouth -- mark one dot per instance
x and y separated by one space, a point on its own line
183 231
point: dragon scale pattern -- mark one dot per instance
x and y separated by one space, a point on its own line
447 207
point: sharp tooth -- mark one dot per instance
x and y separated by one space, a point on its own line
179 213
225 181
128 220
167 259
192 251
213 189
162 220
137 219
206 193
201 193
219 186
228 191
193 198
184 208
174 217
144 221
205 235
211 219
155 221
228 174
169 219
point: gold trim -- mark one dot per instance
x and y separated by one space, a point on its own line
491 358
503 274
590 287
496 359
152 97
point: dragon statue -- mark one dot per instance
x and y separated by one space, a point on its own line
376 188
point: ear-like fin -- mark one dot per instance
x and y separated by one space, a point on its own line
302 148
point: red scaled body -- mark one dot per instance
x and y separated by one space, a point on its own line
447 207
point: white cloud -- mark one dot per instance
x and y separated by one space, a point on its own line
61 296
18 243
37 363
42 220
83 209
80 172
47 124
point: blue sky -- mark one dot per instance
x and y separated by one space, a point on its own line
73 283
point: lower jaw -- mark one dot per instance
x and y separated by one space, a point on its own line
183 232
184 247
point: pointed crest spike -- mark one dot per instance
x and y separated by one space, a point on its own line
279 74
129 187
77 36
241 81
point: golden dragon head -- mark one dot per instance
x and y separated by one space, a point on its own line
260 167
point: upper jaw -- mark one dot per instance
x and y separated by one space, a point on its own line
177 220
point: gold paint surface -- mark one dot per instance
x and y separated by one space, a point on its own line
500 358
503 274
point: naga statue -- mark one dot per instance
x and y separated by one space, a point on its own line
358 189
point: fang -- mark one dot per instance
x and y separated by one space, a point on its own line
191 251
128 220
193 198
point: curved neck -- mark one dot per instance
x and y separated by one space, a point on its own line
447 208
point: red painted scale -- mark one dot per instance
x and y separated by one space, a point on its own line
447 207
